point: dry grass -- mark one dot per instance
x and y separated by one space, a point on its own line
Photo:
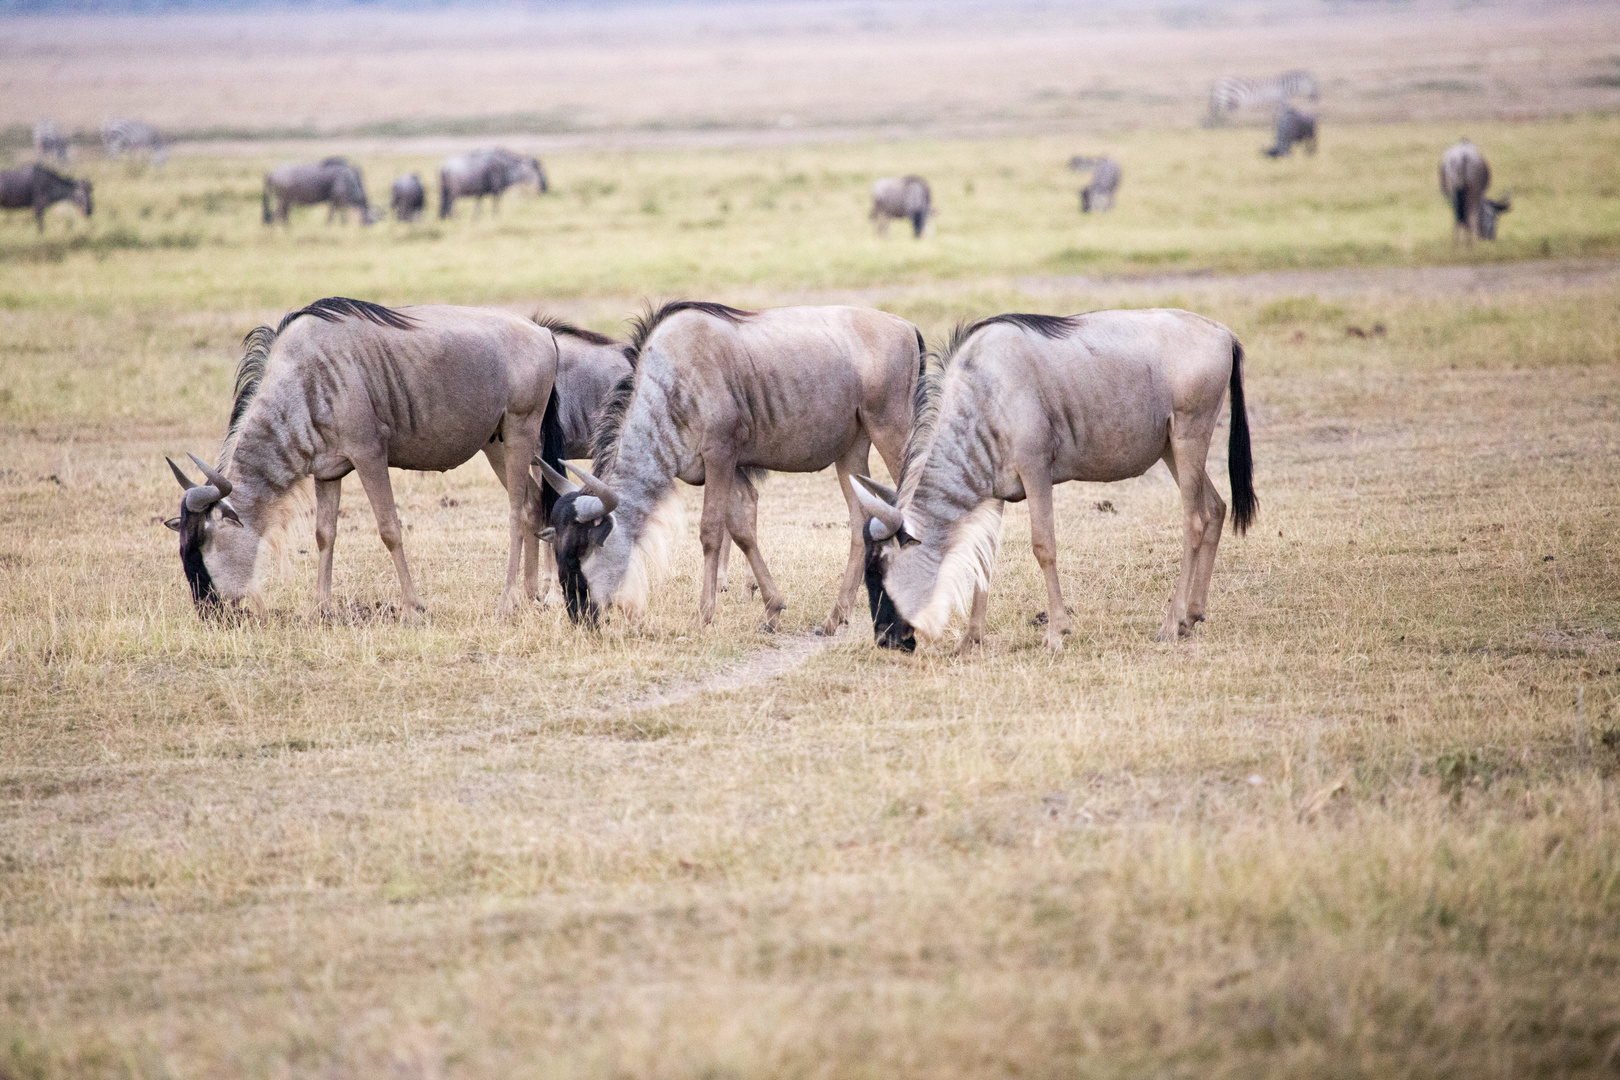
1363 824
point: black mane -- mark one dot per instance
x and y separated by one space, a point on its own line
558 326
643 326
609 419
335 308
249 374
1048 326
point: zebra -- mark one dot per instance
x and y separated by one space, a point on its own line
131 136
49 141
1232 93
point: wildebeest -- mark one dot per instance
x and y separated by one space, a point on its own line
334 181
37 188
122 137
409 197
486 172
901 197
1293 127
1464 177
49 141
1099 193
1029 401
716 392
347 386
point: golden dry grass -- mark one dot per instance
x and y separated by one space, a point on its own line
1362 824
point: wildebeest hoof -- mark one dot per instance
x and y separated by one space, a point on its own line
767 628
1053 641
968 644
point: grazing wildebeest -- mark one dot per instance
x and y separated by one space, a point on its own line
1293 127
49 141
901 197
1029 401
486 172
1232 93
334 181
409 197
347 386
716 392
37 188
1099 193
1464 177
131 136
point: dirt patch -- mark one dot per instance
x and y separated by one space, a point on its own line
760 666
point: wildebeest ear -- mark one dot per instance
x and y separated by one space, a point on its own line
599 531
173 523
547 535
228 512
906 539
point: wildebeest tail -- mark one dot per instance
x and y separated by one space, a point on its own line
552 447
1459 203
444 195
268 218
1239 459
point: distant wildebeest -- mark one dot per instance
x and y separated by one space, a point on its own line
334 181
347 386
49 141
409 197
1030 401
1232 93
1098 194
718 392
37 188
1293 127
486 172
1464 177
905 197
122 137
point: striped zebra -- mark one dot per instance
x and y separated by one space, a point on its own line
133 136
1232 93
49 141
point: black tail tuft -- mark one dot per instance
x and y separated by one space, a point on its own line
446 200
268 218
1459 203
1239 459
552 448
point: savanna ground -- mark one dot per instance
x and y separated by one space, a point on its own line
1363 823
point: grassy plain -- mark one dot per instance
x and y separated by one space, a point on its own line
1363 824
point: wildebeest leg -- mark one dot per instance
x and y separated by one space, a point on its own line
741 524
1037 481
327 493
374 478
974 634
855 461
718 479
522 436
553 591
1214 522
1190 477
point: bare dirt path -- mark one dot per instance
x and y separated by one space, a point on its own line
760 666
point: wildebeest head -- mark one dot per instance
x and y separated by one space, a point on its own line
884 534
1489 210
217 551
581 520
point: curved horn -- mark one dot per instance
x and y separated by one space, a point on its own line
887 494
589 508
201 498
559 483
185 481
888 519
214 477
594 486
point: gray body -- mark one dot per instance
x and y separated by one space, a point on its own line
905 197
1293 127
122 137
1465 176
335 182
354 395
1097 397
486 172
791 390
1104 184
37 188
408 197
49 141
